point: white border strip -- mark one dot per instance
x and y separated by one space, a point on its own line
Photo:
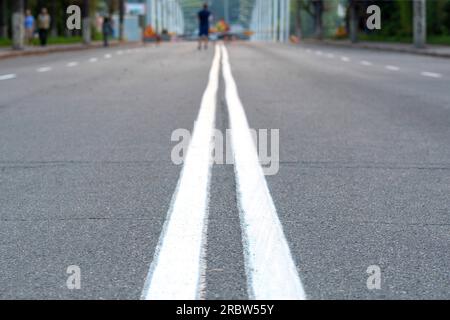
44 69
7 76
392 68
178 266
366 63
431 74
271 271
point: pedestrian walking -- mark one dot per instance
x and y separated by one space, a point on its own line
107 30
203 18
44 21
29 27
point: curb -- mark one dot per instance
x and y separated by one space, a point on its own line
422 52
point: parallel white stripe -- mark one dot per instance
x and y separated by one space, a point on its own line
177 269
72 64
44 69
392 68
271 271
345 59
431 74
366 63
92 60
7 76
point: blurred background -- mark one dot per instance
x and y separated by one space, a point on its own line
277 20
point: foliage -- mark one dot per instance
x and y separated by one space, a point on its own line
5 42
397 21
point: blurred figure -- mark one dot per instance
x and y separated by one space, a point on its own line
203 19
151 36
107 30
44 21
165 36
29 27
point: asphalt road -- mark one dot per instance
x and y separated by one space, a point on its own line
86 176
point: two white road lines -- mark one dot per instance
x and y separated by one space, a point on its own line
178 267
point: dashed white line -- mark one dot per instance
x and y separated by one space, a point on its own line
271 271
178 265
44 69
345 59
92 60
431 74
330 55
366 63
108 56
319 53
392 68
120 52
72 64
7 76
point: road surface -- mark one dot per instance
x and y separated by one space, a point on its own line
86 176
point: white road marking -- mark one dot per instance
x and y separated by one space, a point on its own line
330 55
44 69
366 63
178 266
271 271
7 76
431 74
92 60
319 53
308 50
392 68
72 64
120 52
108 56
345 59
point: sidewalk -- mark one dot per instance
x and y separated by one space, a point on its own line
430 50
7 52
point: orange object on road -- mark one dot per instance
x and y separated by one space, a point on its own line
149 32
294 39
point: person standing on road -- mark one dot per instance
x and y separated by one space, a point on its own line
106 30
44 21
29 27
203 18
